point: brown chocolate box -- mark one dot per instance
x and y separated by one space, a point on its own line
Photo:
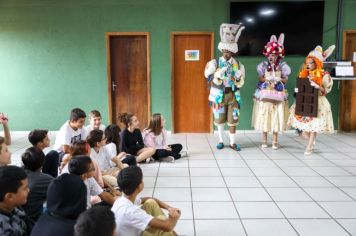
306 99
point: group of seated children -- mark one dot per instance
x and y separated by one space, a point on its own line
97 169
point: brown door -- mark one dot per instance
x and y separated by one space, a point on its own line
348 88
191 112
128 75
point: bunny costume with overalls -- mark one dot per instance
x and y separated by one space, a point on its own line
227 76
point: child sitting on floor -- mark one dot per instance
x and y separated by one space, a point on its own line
133 220
155 136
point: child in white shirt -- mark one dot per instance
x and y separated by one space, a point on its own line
109 165
133 220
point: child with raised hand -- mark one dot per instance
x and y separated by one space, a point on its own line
4 121
112 134
13 194
131 139
155 136
149 219
5 154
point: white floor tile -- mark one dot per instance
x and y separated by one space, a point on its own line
299 171
258 210
173 172
268 171
289 163
318 227
231 163
249 194
277 182
205 172
242 182
312 182
210 194
173 182
185 227
349 225
343 181
302 210
202 163
327 194
268 227
214 210
173 194
212 182
236 172
288 194
340 209
331 171
218 227
260 163
350 191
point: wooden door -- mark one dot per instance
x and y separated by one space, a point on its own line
347 121
128 75
191 112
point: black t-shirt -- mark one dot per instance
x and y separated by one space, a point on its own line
131 142
38 183
54 226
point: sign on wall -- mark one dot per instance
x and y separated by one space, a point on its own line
192 55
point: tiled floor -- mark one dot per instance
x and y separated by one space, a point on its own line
255 191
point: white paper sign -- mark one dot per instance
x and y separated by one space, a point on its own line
344 71
191 55
354 60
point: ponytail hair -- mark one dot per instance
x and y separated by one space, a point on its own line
126 118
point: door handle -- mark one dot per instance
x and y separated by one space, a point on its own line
113 86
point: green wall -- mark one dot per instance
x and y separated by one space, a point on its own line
53 56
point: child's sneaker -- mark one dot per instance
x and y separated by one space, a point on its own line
235 147
183 153
148 160
220 146
169 159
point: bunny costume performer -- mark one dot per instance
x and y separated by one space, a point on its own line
226 76
271 115
321 80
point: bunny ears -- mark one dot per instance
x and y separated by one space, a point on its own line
321 55
275 46
279 41
230 34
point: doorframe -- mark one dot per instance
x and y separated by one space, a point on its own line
173 34
341 113
108 68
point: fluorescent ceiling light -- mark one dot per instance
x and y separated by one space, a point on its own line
267 12
250 19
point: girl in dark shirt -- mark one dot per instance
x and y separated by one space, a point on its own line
131 138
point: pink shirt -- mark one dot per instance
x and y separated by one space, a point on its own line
157 142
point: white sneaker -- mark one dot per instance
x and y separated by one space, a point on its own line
167 159
149 160
183 153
